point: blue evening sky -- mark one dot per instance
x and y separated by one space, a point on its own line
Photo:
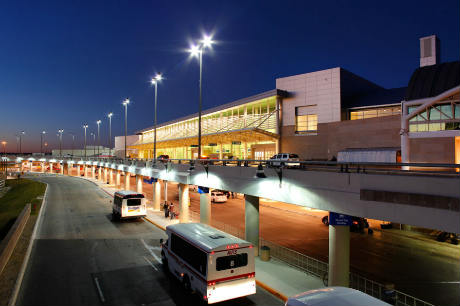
65 63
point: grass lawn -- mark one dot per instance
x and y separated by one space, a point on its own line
22 191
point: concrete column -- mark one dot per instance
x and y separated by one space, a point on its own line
43 167
165 183
118 178
139 183
127 177
69 169
251 219
245 147
221 148
61 166
51 167
184 199
339 255
85 170
111 176
99 175
205 208
105 175
156 195
78 170
93 172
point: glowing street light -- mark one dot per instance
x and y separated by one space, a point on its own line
42 134
197 51
85 126
155 81
98 137
125 104
60 142
110 129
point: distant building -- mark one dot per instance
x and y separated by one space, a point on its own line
120 145
323 114
90 152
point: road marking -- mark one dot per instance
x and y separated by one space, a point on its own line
150 249
150 263
101 295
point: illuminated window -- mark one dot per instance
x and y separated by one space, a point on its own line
375 112
305 124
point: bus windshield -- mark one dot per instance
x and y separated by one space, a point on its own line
231 261
134 202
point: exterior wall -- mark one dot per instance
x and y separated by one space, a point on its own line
120 144
432 150
320 88
336 136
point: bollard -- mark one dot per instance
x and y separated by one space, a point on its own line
265 253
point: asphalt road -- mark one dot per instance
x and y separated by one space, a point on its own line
81 257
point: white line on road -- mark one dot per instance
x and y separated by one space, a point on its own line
101 295
150 263
150 249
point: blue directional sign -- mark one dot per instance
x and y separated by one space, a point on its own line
202 189
150 180
339 219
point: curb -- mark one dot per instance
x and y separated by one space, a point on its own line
22 271
259 283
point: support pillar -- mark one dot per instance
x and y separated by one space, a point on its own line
339 255
127 177
118 178
156 195
221 149
51 167
139 183
78 170
61 166
165 183
99 175
111 176
205 208
43 167
105 175
85 170
93 172
251 219
69 169
184 199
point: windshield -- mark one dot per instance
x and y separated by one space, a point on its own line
134 202
231 261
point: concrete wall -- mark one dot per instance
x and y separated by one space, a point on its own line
336 136
432 150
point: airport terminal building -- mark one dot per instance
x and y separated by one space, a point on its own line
327 115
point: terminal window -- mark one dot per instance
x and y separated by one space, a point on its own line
306 124
375 112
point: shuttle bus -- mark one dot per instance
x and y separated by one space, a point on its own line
210 262
128 204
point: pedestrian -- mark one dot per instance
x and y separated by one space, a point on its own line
166 210
171 210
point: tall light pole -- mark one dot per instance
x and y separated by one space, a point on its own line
155 81
60 142
125 103
94 142
42 134
85 126
197 50
73 142
109 115
98 138
4 147
20 141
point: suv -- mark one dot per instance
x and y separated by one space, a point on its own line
358 224
284 159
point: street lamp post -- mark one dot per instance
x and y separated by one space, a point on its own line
98 138
73 142
110 130
4 147
155 81
197 50
94 142
85 126
20 142
60 142
125 103
42 134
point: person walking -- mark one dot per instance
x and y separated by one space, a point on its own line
171 210
166 209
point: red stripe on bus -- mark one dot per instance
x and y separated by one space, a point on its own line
232 277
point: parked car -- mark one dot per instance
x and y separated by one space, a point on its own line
358 224
284 159
163 157
218 197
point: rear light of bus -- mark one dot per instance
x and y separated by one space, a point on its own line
232 246
252 275
211 283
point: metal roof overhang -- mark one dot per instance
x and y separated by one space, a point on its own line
246 134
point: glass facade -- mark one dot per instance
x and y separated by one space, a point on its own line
439 117
375 112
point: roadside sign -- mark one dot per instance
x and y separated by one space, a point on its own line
150 180
202 189
339 219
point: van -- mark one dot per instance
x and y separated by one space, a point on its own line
334 296
128 204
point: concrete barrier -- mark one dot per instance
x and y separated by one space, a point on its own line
9 242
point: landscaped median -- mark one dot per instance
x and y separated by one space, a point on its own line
12 211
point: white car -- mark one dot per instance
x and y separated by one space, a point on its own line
218 197
284 159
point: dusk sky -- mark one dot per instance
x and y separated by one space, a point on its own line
65 63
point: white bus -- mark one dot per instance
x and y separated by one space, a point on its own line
128 204
210 262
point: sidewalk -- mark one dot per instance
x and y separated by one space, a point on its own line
274 276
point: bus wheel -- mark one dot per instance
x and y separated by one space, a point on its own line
186 283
